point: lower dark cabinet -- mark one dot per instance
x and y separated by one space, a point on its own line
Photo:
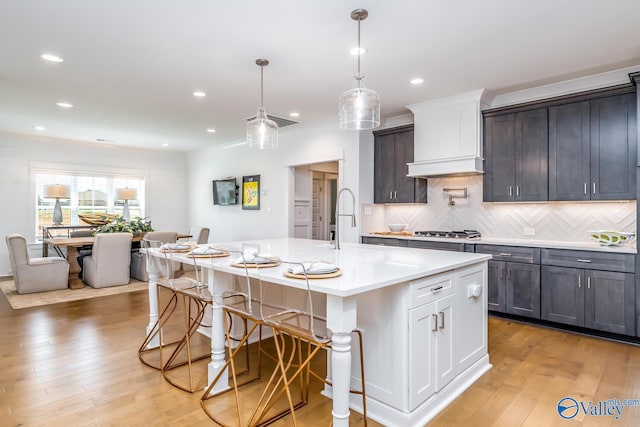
514 288
384 241
601 300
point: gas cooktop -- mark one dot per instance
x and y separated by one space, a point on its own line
464 234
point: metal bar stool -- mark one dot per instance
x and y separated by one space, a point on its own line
302 327
250 310
153 348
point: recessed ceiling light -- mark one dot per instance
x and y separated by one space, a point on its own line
358 51
294 114
211 130
417 81
64 104
39 127
199 94
51 58
165 144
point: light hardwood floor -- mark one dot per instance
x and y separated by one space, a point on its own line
75 364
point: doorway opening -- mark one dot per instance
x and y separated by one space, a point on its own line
316 187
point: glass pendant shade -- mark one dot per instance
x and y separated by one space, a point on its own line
359 108
262 132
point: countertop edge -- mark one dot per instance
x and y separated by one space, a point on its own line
580 246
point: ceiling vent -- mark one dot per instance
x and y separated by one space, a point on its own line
280 121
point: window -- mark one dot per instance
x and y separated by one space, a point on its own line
89 194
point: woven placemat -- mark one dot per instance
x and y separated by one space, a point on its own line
224 254
336 273
254 265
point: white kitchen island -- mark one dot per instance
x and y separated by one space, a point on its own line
423 314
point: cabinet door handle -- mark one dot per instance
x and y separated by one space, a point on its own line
583 260
594 188
579 282
442 320
588 282
585 188
435 322
391 195
395 195
501 273
510 191
508 273
436 289
517 190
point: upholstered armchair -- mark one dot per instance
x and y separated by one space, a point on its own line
139 260
109 262
35 274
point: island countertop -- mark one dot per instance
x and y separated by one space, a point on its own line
364 267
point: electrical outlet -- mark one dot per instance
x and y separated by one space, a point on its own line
529 231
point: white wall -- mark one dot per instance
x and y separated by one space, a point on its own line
298 145
165 173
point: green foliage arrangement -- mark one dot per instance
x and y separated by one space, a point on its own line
136 225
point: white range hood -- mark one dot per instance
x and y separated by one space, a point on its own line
448 135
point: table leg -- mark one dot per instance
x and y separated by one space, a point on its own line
153 310
217 331
74 268
341 319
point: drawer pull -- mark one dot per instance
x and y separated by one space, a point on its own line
435 322
583 260
436 289
504 254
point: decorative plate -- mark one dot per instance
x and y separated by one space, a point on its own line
610 238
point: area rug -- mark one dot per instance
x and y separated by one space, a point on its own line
18 301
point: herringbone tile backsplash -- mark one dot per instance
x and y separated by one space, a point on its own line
562 221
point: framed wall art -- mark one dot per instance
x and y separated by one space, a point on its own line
251 192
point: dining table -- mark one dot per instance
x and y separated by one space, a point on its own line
72 244
367 273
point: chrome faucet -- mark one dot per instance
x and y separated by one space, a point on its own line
338 214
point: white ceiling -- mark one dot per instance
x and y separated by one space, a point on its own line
130 67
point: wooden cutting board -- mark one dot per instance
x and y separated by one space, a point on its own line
394 233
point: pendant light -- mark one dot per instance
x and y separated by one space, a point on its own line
359 106
261 131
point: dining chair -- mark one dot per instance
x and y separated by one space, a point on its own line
35 274
199 235
241 303
109 262
296 330
164 337
139 259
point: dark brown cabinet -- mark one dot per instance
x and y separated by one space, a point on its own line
515 147
513 284
575 292
393 149
592 149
